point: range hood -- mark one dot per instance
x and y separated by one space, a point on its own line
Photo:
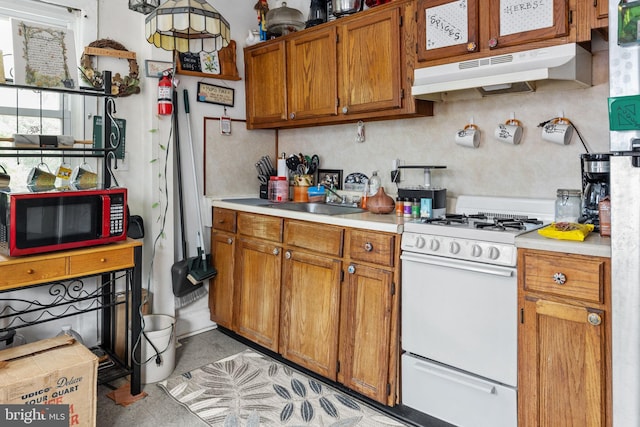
561 66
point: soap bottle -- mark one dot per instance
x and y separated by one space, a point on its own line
374 183
66 330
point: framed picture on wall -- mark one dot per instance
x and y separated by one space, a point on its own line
330 177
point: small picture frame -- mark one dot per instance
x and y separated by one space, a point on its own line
330 177
215 94
156 68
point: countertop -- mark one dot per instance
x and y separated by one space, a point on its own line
366 220
593 245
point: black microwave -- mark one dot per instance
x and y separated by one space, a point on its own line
37 222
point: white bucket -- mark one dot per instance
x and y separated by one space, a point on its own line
159 332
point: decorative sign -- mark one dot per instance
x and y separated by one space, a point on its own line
156 68
204 62
447 25
215 94
43 56
518 16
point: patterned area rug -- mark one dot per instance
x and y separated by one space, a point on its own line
250 389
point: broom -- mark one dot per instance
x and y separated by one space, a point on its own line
184 291
200 267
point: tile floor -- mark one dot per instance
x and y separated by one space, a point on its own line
157 410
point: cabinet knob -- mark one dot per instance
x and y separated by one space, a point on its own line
351 269
221 221
103 260
30 271
472 46
287 255
276 251
368 246
594 319
560 278
345 110
493 42
229 240
292 116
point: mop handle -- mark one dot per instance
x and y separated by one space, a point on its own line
195 175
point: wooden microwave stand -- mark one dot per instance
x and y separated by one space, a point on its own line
64 273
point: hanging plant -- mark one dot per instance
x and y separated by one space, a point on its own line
120 86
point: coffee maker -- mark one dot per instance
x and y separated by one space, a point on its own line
595 185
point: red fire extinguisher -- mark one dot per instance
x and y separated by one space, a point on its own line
165 106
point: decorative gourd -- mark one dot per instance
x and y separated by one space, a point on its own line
380 203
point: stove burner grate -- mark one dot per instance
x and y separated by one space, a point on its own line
500 223
449 219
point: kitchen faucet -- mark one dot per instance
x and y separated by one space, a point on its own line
335 193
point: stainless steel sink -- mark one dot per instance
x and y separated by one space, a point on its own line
317 208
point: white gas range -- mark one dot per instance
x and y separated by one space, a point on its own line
459 309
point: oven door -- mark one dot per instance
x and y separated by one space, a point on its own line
462 314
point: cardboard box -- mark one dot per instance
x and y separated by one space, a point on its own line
52 371
120 322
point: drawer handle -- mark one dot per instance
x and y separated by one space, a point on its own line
351 269
287 255
229 240
221 221
560 278
594 319
368 247
30 271
103 260
276 251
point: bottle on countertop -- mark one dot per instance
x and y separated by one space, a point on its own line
67 330
604 215
399 206
374 183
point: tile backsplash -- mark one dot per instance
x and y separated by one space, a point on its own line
534 168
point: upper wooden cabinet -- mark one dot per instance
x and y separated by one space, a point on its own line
451 30
354 68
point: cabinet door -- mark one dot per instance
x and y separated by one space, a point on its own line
257 292
312 74
221 286
265 80
513 22
447 28
370 77
310 308
366 329
561 372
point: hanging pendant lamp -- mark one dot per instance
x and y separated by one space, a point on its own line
187 26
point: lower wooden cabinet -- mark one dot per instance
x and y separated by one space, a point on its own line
310 307
564 364
221 286
366 325
257 292
324 297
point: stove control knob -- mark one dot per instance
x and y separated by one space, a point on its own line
494 253
420 242
476 251
454 247
434 245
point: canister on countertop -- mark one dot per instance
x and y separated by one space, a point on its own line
399 206
426 208
415 208
568 204
278 189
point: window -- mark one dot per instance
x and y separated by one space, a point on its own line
31 111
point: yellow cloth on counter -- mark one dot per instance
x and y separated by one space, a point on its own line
566 231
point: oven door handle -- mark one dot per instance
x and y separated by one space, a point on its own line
451 376
459 264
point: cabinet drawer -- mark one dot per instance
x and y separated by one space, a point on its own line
224 219
321 238
377 248
96 262
583 277
260 226
31 272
